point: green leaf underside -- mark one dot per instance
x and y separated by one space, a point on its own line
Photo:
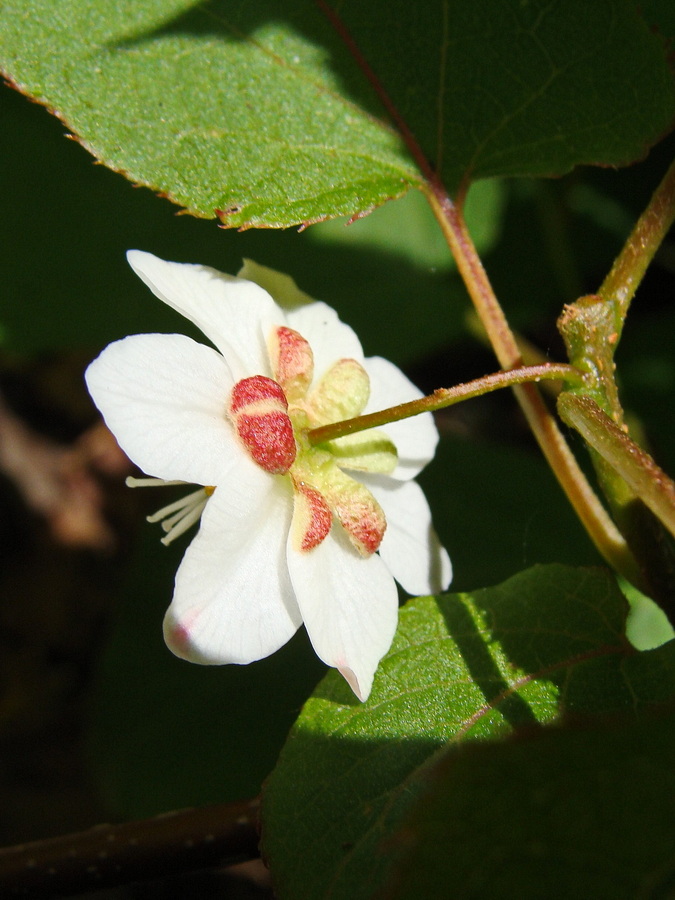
261 112
408 227
546 642
562 813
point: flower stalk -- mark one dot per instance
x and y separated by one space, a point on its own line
444 397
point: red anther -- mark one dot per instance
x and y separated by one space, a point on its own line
366 534
269 439
258 408
255 389
292 361
312 516
364 522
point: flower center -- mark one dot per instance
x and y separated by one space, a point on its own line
271 417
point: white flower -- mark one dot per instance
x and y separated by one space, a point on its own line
289 532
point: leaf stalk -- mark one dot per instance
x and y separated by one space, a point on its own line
603 532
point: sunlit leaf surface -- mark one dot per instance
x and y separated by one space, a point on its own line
264 112
463 667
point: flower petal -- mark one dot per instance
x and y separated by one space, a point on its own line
410 547
236 315
415 438
164 398
329 338
349 605
233 601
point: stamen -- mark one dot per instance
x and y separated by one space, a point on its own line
292 362
150 482
356 509
181 504
186 522
177 517
342 393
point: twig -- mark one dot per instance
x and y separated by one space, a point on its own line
110 855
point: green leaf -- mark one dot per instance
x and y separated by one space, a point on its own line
219 107
661 15
264 114
520 88
562 813
66 282
409 229
647 625
461 667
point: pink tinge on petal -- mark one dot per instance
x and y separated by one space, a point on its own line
258 408
292 361
352 681
180 639
177 635
312 518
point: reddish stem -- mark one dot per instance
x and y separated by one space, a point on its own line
598 524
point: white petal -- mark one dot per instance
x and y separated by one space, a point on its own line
329 338
349 605
415 438
410 546
233 601
164 397
236 315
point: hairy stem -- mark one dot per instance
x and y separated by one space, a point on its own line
643 481
604 534
443 397
629 267
591 328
